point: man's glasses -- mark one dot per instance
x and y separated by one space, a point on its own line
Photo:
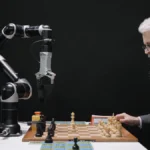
146 47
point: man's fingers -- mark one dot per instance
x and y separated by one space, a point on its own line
120 116
123 120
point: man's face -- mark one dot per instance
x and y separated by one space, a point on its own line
146 41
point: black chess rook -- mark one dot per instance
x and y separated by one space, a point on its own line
39 130
43 122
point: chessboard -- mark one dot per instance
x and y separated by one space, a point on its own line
84 145
110 131
64 132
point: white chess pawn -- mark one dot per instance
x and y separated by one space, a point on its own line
72 120
72 117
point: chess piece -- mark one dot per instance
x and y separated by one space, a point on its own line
72 118
72 121
101 125
53 124
43 122
49 138
39 130
119 128
106 131
51 129
75 146
49 135
107 134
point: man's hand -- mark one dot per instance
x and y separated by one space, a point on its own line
128 119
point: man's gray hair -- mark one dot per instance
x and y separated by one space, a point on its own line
144 26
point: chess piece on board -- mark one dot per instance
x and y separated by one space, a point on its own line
106 131
75 146
43 122
119 127
53 124
39 130
72 121
112 128
52 127
72 117
49 137
51 130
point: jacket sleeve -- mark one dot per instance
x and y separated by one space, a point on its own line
145 120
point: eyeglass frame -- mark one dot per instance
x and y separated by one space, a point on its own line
146 47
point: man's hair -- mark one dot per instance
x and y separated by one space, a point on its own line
144 26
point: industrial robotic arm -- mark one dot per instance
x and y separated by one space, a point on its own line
20 88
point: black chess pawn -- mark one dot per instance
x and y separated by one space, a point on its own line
39 131
75 146
49 138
